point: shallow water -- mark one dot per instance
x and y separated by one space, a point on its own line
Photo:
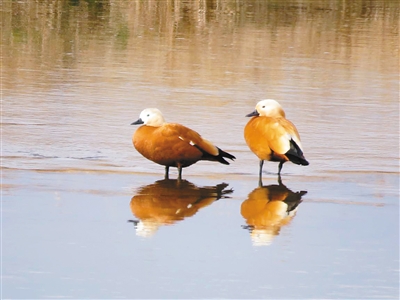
96 217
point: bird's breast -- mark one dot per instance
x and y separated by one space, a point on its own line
256 138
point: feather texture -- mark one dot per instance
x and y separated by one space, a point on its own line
171 144
272 137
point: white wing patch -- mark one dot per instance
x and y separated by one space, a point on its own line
283 144
190 142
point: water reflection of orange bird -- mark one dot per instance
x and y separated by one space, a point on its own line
267 209
167 201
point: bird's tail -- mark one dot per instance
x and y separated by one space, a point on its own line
295 154
222 154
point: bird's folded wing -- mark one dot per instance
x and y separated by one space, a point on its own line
191 137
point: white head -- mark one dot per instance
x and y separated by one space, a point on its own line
150 117
270 108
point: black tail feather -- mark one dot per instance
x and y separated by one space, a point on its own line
222 154
295 154
220 157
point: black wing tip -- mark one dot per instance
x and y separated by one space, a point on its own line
295 154
297 160
220 157
222 160
222 154
302 161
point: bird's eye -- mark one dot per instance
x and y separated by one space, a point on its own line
148 115
263 106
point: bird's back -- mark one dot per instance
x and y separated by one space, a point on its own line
168 145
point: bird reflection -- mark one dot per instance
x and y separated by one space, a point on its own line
167 201
267 209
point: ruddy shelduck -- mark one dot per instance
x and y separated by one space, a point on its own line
171 144
272 137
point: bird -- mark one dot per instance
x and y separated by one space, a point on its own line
172 144
270 136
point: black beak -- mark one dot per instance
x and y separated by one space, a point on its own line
139 121
253 114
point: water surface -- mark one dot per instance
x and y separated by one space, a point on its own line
85 216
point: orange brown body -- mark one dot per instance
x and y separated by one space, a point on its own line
173 145
272 137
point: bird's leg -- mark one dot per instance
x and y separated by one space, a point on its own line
261 166
166 172
280 180
260 173
280 167
179 172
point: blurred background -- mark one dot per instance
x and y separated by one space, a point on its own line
75 74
